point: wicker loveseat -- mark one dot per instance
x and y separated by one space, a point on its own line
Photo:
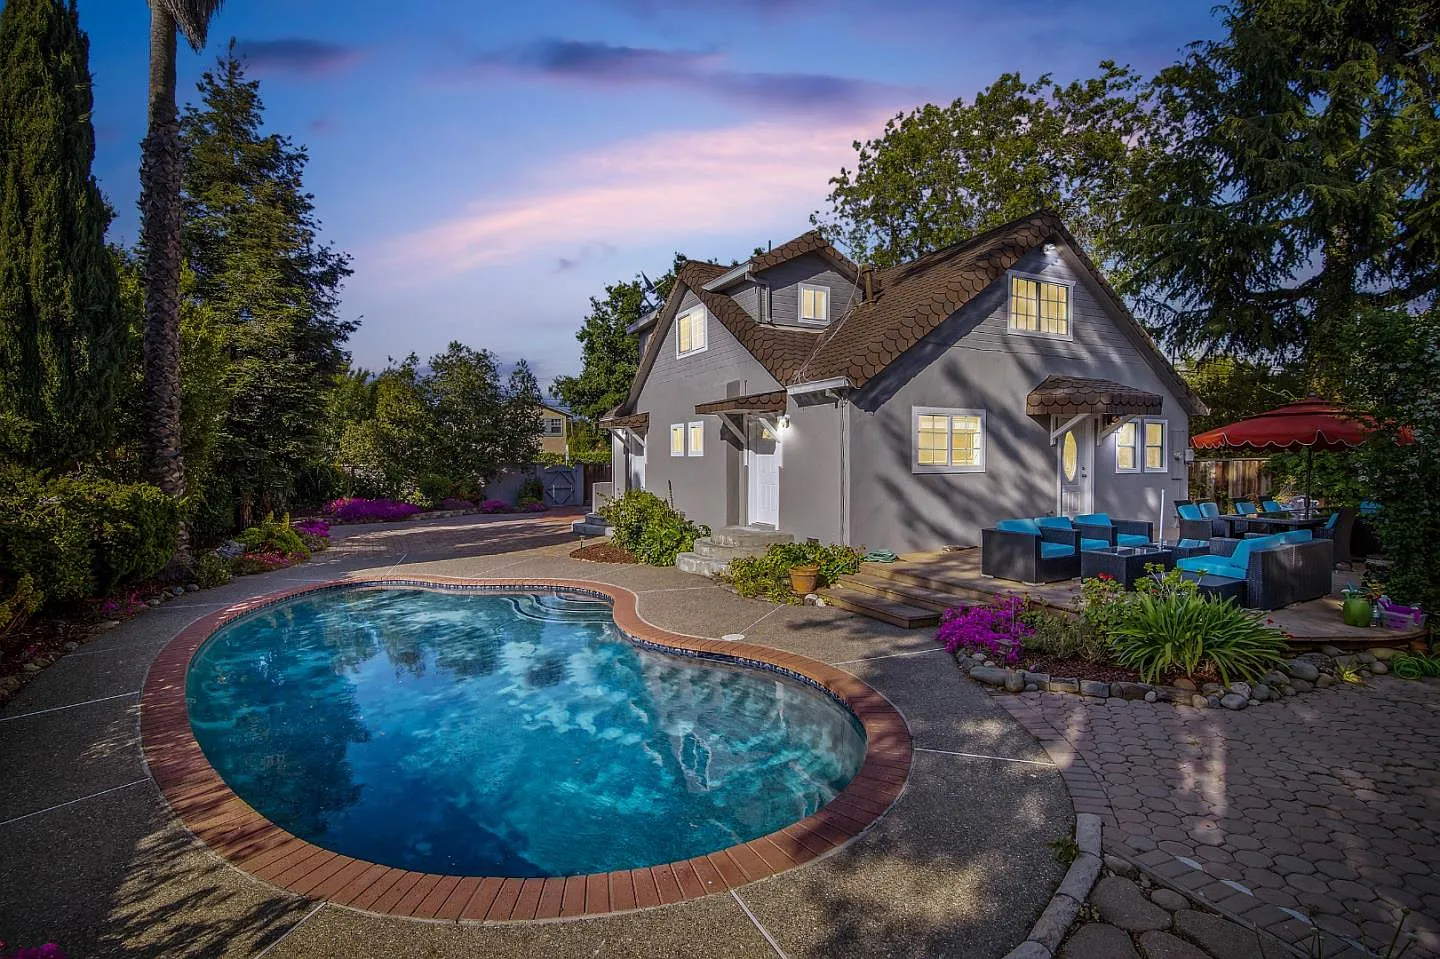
1278 570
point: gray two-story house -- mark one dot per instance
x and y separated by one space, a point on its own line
907 407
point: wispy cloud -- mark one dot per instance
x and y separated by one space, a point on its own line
663 188
300 56
699 70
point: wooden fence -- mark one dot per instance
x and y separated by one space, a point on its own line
1225 480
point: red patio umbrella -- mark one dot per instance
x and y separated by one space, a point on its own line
1312 424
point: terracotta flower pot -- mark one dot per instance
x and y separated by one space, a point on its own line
804 579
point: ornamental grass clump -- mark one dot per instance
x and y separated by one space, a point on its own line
996 629
1180 633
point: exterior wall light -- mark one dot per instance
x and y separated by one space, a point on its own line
784 421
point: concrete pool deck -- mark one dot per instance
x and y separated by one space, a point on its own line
95 860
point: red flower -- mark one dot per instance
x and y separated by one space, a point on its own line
1106 577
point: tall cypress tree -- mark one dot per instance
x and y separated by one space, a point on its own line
250 238
62 340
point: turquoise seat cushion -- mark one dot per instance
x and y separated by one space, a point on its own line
1270 506
1054 522
1297 536
1094 519
1211 566
1244 507
1131 539
1026 526
1190 511
1330 523
1209 509
1194 543
1094 544
1055 550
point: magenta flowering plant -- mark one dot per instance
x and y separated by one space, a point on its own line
994 629
47 951
355 510
313 527
127 605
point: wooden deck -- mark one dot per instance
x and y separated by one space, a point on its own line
914 590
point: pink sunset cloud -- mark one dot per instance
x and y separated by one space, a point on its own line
751 178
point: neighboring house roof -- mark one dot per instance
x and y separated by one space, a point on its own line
557 411
773 402
1071 395
635 421
911 301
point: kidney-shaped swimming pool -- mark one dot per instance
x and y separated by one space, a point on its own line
514 733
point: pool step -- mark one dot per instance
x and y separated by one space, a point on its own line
875 606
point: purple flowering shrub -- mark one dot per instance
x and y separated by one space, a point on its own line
116 607
47 951
313 527
994 629
355 510
494 506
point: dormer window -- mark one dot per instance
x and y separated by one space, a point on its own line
814 304
690 332
1039 306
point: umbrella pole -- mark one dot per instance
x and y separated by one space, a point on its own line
1309 482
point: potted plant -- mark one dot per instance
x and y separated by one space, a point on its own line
804 578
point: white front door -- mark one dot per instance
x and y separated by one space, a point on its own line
1075 466
637 464
764 470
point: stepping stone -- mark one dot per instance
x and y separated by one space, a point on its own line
1121 903
1219 937
1098 940
1162 945
1169 900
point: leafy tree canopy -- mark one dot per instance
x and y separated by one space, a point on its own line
1288 181
940 174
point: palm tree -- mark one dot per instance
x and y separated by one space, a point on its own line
160 234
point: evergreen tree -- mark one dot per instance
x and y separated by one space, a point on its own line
250 239
62 340
1289 185
522 416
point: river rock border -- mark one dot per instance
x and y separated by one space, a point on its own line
1306 672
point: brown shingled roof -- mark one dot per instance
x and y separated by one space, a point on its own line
1070 395
773 402
640 422
811 242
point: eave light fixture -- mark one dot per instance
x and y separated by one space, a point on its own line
784 421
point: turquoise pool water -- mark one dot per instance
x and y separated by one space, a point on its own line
499 734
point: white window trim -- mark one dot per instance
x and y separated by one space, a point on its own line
704 330
1137 446
800 304
690 448
1054 281
918 411
680 427
1164 466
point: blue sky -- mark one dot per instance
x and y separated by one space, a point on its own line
491 166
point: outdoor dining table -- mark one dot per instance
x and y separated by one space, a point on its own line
1280 523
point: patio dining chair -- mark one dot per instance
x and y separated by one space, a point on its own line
1245 507
1339 529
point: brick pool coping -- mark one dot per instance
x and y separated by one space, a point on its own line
255 845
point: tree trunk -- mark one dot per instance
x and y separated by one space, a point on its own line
160 235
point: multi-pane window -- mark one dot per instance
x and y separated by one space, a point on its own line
554 426
1126 458
948 441
687 439
690 331
1039 307
1155 446
814 304
677 439
697 439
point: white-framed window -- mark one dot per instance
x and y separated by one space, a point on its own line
554 426
690 332
1127 456
1155 438
1039 306
814 303
696 432
947 440
677 439
1141 446
687 439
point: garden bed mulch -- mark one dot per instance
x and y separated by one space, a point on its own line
603 553
37 644
1080 669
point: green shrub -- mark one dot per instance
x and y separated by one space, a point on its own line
769 575
531 491
212 570
273 536
22 603
433 488
82 536
645 525
1181 633
1063 637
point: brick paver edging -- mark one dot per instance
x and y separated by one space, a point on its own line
249 841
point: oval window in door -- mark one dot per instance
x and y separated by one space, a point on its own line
1069 456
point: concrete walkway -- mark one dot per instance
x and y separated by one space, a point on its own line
1325 806
92 858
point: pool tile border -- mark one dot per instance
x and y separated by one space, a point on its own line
250 842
